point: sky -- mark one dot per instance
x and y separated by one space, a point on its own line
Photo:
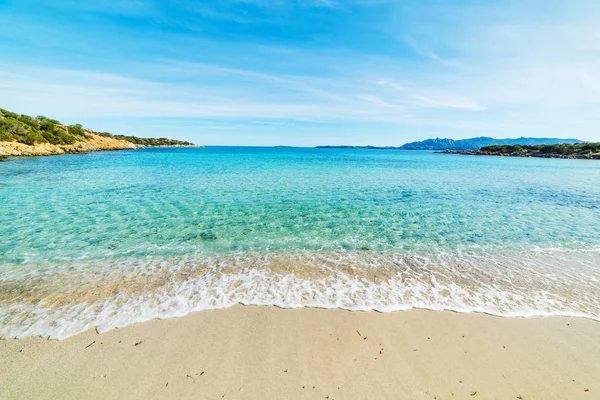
306 72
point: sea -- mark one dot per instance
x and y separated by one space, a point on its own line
107 239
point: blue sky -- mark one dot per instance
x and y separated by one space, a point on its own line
258 72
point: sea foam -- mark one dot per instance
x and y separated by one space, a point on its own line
57 301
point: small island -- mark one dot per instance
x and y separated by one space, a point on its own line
588 151
343 146
22 135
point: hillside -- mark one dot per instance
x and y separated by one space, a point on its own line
23 135
479 142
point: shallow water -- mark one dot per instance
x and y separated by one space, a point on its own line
111 238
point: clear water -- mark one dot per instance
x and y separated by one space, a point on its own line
111 238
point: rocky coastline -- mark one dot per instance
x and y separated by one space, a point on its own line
590 156
92 143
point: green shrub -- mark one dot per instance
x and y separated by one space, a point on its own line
76 129
8 114
25 129
564 148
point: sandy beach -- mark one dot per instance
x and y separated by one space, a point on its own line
271 353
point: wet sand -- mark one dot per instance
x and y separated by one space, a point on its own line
271 353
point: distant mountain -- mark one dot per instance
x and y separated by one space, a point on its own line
483 141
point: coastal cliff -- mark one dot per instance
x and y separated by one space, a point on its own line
22 135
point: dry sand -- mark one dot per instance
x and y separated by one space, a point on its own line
270 353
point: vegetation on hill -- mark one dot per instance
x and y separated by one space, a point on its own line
564 149
147 141
22 128
25 129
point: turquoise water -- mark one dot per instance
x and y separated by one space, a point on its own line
111 238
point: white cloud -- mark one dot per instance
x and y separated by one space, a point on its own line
72 93
481 70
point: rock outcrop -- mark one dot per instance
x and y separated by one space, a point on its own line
91 143
588 156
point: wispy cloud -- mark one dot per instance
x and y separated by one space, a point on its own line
445 102
368 69
428 53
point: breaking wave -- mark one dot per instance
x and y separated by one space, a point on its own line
58 300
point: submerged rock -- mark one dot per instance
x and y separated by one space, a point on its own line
208 236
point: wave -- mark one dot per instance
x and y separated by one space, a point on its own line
62 299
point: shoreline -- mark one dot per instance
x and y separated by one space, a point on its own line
486 314
15 149
106 294
143 146
93 143
268 352
593 156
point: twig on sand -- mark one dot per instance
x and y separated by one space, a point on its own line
90 344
